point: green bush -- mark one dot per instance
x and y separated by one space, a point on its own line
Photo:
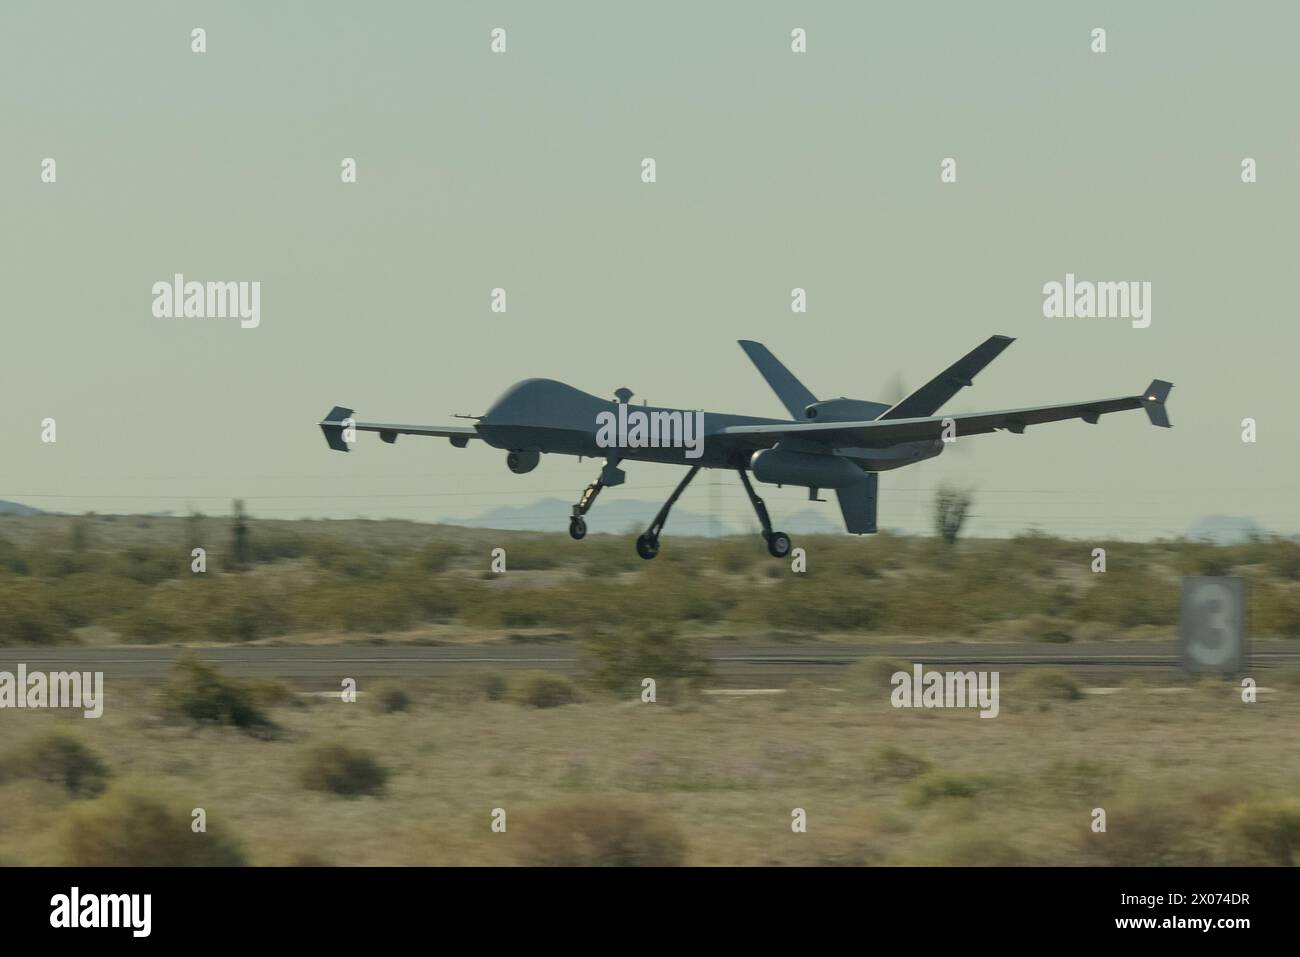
390 698
891 763
1043 685
619 661
1274 610
600 832
199 691
493 684
132 826
974 846
88 598
28 615
62 758
271 693
1149 832
541 689
938 785
1270 828
1080 777
341 769
872 677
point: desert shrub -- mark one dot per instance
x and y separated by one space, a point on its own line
938 785
61 758
199 691
1128 596
86 598
341 769
243 609
1274 610
1044 685
1270 828
1079 777
390 698
271 543
271 693
493 684
353 562
133 826
517 607
470 687
430 599
220 608
160 614
601 832
1284 558
736 556
358 605
149 565
1204 558
822 600
872 677
541 689
620 660
1043 628
1149 833
891 763
974 846
59 562
27 613
435 557
1279 556
12 558
608 555
1286 677
951 507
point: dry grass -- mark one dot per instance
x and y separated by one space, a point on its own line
713 782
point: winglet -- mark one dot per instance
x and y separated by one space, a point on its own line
1153 400
333 427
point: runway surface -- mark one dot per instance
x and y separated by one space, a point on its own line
736 664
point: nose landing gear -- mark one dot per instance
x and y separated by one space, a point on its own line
610 474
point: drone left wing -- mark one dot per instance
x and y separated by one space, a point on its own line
340 419
881 433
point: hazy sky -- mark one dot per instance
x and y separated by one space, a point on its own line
522 170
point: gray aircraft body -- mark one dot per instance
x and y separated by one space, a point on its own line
839 444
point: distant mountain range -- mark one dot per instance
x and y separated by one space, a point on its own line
618 516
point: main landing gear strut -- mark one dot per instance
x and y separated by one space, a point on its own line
647 544
778 543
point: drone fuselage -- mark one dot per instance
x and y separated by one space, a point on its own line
544 415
